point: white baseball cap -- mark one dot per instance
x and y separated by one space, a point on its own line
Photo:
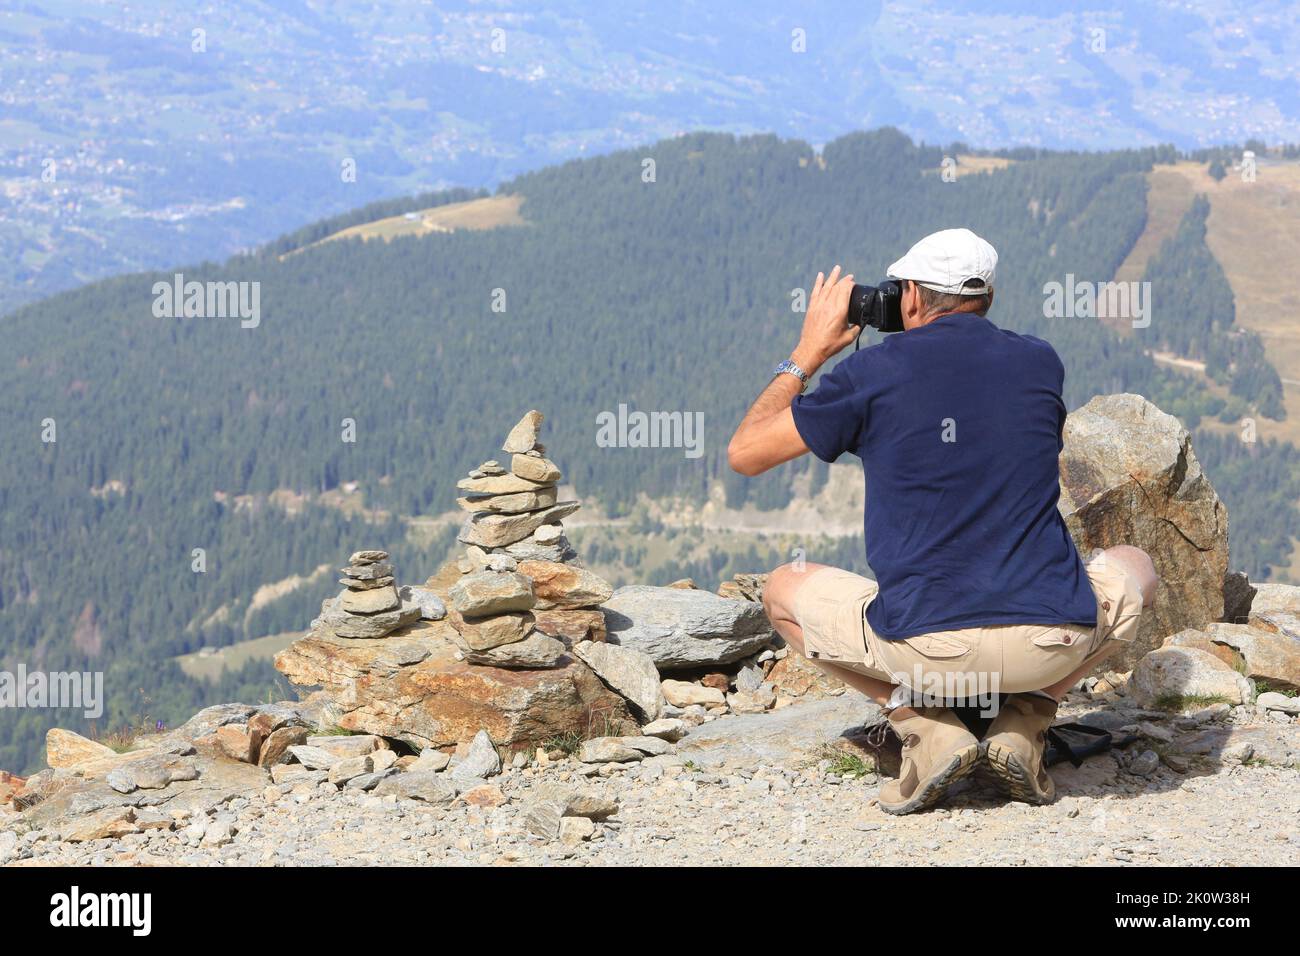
952 260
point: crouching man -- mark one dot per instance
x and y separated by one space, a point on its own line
958 426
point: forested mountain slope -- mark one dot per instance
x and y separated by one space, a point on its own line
663 292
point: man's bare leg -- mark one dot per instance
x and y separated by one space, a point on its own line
778 600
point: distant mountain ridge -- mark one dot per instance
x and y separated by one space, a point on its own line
144 135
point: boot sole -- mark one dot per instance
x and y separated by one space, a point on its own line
959 766
1002 767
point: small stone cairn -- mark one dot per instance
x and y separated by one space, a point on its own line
523 598
370 605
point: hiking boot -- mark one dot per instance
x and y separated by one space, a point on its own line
1013 749
938 750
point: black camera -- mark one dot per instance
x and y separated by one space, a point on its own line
878 306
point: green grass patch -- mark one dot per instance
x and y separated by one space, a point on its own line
568 743
1179 703
1265 686
846 764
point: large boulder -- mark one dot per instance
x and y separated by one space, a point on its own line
1177 674
678 628
1129 476
414 686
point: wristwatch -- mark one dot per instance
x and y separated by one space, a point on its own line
795 370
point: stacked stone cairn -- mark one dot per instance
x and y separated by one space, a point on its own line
370 604
523 598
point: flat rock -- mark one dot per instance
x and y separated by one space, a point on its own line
418 785
431 760
64 749
1275 597
546 543
558 585
483 593
1269 646
368 781
370 601
367 572
671 729
501 485
1267 650
650 746
368 626
752 701
534 469
495 531
1272 700
315 758
516 503
485 633
609 750
296 773
345 768
680 628
535 650
681 693
570 625
781 737
347 745
573 830
353 584
101 825
629 672
484 795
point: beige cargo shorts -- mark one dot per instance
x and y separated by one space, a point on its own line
831 610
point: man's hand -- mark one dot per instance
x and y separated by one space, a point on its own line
826 329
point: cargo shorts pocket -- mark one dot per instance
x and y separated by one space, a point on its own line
939 647
830 616
1063 636
839 634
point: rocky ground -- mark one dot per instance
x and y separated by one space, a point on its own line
765 789
516 709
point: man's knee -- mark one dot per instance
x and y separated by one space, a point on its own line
781 586
1138 563
777 591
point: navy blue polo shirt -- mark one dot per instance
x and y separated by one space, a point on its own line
958 426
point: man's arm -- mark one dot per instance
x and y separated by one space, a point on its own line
767 436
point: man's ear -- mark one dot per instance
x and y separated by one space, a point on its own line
910 303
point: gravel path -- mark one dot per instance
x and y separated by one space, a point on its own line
756 791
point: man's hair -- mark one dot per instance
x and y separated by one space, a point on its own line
933 303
